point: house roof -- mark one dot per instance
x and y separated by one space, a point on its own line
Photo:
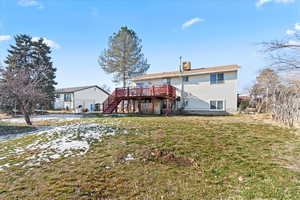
186 73
75 89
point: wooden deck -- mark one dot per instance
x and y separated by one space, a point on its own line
138 93
166 91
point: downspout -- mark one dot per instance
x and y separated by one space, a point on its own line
182 85
182 93
74 101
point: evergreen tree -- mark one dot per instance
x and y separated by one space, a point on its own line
28 77
27 53
41 58
124 57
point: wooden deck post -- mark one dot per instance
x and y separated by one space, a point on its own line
139 106
133 105
152 106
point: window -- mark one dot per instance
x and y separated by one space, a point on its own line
67 97
141 84
186 79
216 78
217 105
186 102
168 81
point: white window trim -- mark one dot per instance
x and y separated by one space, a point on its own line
224 105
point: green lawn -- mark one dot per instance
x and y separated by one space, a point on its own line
173 158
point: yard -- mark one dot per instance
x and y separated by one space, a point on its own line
188 157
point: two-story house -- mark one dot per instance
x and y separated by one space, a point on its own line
202 90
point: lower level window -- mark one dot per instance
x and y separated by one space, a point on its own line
67 97
217 105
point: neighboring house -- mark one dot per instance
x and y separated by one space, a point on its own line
86 97
203 90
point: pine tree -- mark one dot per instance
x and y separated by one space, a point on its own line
28 77
124 57
41 58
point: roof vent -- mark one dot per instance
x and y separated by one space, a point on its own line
186 66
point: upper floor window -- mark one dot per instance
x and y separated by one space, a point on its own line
186 79
141 84
67 97
167 81
216 78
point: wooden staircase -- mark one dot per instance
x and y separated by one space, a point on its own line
111 103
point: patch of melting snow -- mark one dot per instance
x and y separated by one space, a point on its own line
1 158
2 167
129 157
66 141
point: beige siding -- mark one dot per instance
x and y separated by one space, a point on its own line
198 91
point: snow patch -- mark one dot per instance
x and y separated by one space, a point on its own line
65 141
129 157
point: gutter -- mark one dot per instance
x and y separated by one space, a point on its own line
182 74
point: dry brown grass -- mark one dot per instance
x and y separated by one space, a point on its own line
236 157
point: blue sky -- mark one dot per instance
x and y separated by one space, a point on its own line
207 33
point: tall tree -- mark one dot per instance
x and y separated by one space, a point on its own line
42 59
28 77
264 88
285 57
124 57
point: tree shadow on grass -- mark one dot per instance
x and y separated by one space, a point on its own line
10 129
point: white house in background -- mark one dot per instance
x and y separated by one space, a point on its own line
202 90
86 97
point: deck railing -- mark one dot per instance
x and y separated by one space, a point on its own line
165 91
151 91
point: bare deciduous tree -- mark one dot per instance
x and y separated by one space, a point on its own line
264 88
286 105
283 98
28 77
284 54
22 87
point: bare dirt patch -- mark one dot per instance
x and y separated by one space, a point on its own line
165 156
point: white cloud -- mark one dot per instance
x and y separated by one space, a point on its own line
48 42
30 3
263 2
294 42
4 37
297 26
290 32
191 22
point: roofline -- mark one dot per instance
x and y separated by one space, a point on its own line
102 90
183 74
88 87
